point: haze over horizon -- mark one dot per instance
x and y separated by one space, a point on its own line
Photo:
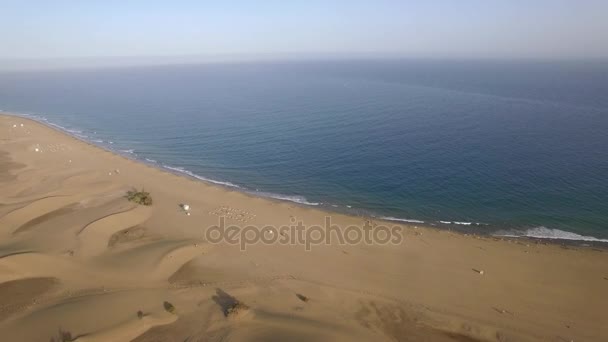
112 32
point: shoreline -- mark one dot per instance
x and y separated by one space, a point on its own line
76 255
566 238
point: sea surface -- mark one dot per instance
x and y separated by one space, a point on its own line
506 148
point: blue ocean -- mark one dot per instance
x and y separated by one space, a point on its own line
497 147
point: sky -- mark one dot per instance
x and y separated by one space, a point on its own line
505 29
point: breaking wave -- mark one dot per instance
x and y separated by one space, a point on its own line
389 218
460 223
194 175
549 233
295 199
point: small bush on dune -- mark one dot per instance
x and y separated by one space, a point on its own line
63 336
302 297
236 308
140 197
169 307
229 304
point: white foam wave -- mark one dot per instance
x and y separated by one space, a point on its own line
57 126
389 218
73 132
550 233
70 131
461 223
151 160
194 175
129 151
174 168
295 199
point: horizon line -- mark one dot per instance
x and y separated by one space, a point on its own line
95 62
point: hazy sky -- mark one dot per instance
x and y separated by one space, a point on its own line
432 28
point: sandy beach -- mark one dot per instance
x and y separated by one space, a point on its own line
79 262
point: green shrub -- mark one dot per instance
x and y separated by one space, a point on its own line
235 308
169 307
140 197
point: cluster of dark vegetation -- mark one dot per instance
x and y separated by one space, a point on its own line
140 197
63 336
229 304
169 307
235 309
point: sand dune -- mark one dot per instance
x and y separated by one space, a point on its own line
79 262
94 236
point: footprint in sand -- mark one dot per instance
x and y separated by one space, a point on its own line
233 213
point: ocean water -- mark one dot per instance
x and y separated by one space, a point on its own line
513 148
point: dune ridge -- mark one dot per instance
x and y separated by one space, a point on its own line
64 276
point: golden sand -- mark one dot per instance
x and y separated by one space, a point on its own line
80 262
